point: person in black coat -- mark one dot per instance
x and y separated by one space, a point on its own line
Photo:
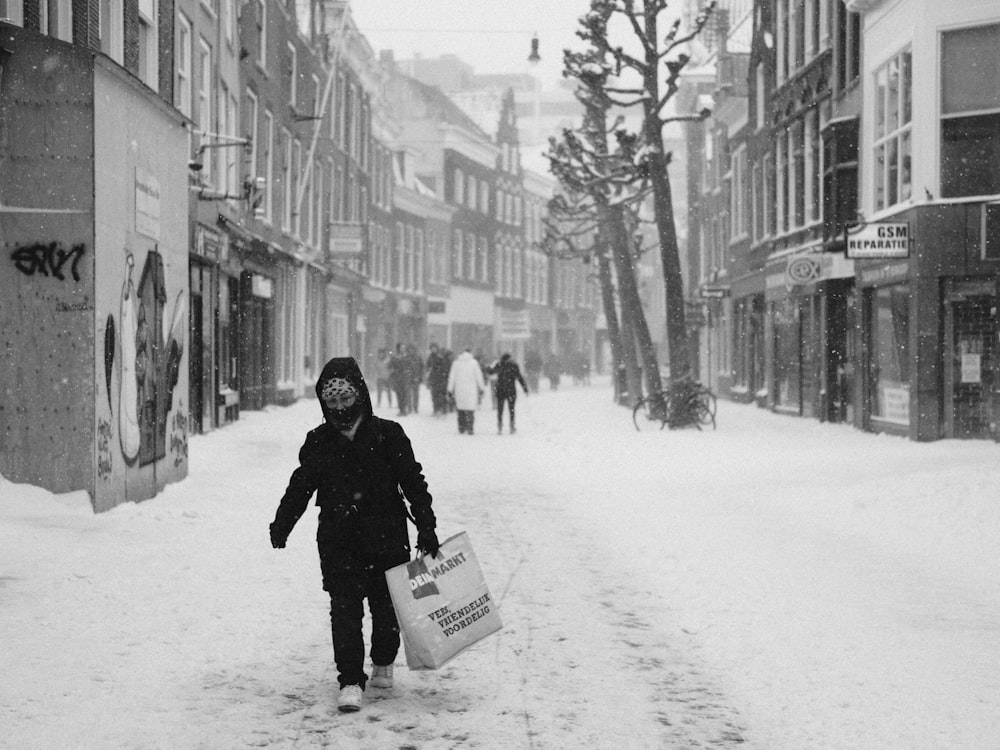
508 374
357 464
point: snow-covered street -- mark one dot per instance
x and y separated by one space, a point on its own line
775 584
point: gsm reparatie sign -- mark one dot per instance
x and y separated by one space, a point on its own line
878 241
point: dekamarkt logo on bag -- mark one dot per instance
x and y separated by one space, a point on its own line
422 578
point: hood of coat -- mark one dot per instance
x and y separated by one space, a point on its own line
346 368
464 357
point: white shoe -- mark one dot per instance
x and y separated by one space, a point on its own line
350 698
381 676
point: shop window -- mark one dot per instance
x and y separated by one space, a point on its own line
890 354
787 354
970 112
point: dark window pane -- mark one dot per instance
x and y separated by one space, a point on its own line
970 69
970 156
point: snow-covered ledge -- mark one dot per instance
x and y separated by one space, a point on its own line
860 6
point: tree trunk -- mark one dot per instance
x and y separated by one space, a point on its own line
633 378
663 206
611 318
628 290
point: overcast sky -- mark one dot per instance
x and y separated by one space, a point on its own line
492 37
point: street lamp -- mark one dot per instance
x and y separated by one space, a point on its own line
533 59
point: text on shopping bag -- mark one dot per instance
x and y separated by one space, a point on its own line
422 578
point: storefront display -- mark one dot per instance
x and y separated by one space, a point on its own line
890 353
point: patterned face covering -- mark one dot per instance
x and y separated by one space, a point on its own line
337 387
344 417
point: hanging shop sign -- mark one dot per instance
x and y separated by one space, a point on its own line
261 286
878 241
802 269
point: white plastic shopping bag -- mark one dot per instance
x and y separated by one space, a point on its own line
442 604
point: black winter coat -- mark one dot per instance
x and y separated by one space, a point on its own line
362 514
508 374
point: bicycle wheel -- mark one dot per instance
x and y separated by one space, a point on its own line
706 407
646 416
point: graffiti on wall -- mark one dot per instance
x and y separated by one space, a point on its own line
143 347
48 260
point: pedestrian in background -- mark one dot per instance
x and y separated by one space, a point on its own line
466 386
437 379
399 380
533 368
507 374
382 377
414 376
357 464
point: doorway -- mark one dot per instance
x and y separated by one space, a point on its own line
970 351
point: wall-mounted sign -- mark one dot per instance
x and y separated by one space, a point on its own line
878 241
261 286
514 325
802 269
346 239
714 292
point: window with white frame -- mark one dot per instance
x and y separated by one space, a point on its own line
470 256
781 181
518 288
814 167
286 180
757 202
261 33
355 142
267 147
418 258
12 11
970 111
293 74
296 209
112 34
409 265
737 193
251 129
228 21
182 66
349 105
484 197
234 155
400 259
149 58
456 253
892 130
797 174
471 186
205 96
482 258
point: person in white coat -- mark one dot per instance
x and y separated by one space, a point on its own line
466 386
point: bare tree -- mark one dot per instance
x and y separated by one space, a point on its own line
657 66
605 184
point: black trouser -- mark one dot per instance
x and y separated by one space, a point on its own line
348 590
466 420
511 399
402 397
439 397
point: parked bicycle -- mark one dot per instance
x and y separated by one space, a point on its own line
686 403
